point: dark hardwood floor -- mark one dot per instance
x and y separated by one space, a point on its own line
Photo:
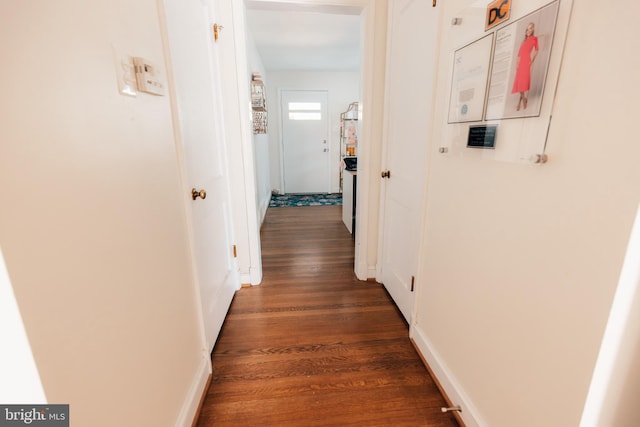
312 345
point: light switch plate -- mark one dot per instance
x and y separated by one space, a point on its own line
148 77
125 72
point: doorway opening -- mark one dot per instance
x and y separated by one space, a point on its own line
293 54
369 39
305 50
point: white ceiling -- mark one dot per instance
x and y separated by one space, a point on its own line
305 37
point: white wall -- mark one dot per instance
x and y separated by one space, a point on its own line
260 141
92 223
520 263
343 88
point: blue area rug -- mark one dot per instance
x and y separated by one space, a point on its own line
280 200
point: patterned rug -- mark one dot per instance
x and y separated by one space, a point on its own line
280 200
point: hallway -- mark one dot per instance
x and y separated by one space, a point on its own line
312 345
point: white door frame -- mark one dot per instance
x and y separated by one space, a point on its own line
373 14
240 149
369 154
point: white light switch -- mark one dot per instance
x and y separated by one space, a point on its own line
148 77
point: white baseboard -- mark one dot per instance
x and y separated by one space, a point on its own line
263 208
255 276
365 272
192 400
245 278
361 271
452 388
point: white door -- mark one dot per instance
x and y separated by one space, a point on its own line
197 116
305 142
411 59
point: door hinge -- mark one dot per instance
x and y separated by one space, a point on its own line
413 282
235 251
217 29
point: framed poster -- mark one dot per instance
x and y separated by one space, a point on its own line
469 81
520 65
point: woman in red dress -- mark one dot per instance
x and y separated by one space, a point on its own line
526 55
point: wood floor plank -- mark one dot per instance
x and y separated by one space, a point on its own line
314 346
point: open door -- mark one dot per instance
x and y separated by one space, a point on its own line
199 129
411 57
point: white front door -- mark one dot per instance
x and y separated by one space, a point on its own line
411 66
197 116
305 141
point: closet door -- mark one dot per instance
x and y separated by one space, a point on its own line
411 59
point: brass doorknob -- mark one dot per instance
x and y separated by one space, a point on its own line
195 194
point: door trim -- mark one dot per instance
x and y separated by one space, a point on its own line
374 46
239 136
374 13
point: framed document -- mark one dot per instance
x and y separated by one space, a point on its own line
469 81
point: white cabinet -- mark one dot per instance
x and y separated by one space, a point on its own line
349 199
